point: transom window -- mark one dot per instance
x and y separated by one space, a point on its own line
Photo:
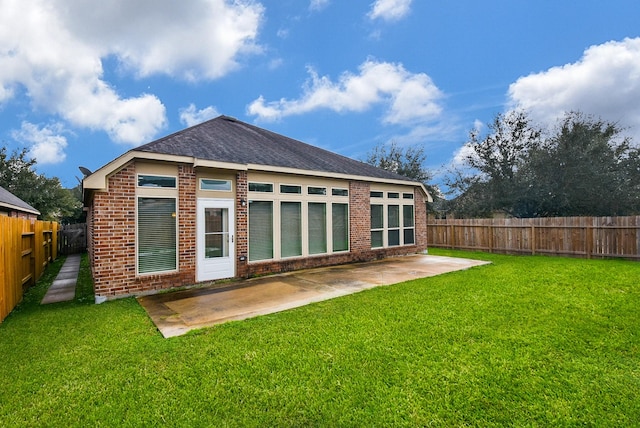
339 192
316 190
213 184
148 180
261 187
290 188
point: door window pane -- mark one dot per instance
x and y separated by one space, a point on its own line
216 232
340 230
260 230
290 229
317 228
157 241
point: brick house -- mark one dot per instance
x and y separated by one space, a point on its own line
12 206
226 199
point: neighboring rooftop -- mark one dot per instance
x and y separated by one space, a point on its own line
10 201
226 139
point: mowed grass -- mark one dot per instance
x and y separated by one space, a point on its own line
525 341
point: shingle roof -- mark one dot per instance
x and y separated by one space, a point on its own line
226 139
9 200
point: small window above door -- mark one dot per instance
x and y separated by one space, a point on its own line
215 185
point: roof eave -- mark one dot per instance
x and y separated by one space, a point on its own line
19 208
98 180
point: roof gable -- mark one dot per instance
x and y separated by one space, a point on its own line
225 139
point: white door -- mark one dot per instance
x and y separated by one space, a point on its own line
216 249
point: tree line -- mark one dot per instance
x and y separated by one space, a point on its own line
584 166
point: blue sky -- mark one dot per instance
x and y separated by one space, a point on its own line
82 82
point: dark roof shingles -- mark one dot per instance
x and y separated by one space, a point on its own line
226 139
8 198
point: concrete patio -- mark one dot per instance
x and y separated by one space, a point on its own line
178 312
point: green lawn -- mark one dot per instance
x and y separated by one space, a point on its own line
525 341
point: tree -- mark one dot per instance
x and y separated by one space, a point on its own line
583 167
490 179
47 195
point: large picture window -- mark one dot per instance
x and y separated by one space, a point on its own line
408 222
260 230
340 228
290 229
317 228
392 219
156 240
377 226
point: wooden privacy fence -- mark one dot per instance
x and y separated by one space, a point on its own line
26 248
562 236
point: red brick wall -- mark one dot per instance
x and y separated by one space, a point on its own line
359 217
242 226
186 224
421 220
111 221
112 249
113 232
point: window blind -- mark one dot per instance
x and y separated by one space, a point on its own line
260 230
156 235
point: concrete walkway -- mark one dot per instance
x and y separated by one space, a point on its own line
63 288
178 312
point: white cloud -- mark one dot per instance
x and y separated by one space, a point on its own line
318 4
54 50
604 82
190 116
47 143
389 10
410 98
